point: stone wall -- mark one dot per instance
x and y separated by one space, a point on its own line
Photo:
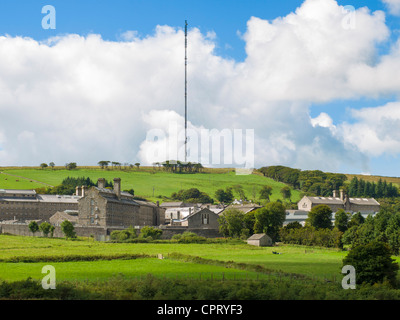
99 233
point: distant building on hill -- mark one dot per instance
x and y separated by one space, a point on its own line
343 201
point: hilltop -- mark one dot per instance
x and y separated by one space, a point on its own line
148 182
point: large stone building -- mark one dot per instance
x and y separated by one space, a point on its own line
94 207
27 205
114 208
362 205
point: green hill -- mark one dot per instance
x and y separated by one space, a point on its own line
147 182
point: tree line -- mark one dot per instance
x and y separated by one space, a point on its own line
319 183
362 188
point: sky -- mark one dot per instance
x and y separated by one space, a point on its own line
311 84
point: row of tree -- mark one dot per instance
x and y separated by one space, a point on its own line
362 188
323 184
46 228
180 166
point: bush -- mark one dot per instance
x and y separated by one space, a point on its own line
152 232
123 235
188 237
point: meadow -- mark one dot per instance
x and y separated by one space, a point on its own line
150 183
313 262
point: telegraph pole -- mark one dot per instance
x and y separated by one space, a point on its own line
186 24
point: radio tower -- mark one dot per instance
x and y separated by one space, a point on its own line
186 24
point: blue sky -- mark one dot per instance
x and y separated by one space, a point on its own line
227 19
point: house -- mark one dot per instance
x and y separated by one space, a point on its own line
260 240
343 201
202 219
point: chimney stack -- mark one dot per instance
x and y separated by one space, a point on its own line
335 193
342 194
101 183
83 190
117 187
78 191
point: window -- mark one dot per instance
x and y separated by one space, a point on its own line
205 218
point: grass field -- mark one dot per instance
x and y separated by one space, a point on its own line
148 183
137 268
314 262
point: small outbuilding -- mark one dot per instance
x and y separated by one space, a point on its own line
260 240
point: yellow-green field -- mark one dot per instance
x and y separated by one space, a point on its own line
150 183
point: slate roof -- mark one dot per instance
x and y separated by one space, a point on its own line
257 236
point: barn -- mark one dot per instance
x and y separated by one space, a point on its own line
260 240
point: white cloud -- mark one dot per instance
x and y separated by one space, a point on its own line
376 131
84 99
394 6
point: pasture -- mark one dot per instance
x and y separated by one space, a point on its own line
313 262
152 184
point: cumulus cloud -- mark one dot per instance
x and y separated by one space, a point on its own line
84 99
394 6
376 130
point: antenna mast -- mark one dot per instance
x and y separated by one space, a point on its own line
186 24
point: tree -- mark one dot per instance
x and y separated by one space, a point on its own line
265 192
356 220
33 226
231 223
270 219
373 263
43 165
71 165
103 164
392 233
224 196
68 229
320 217
341 220
286 192
52 165
137 164
45 227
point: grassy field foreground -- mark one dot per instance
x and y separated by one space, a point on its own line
313 262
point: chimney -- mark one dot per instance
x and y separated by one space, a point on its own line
117 187
84 191
190 211
78 191
335 193
101 183
342 194
158 203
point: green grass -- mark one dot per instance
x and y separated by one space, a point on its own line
104 270
143 181
294 259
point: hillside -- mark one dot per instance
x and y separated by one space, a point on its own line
148 182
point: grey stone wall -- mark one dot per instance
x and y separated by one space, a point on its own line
100 234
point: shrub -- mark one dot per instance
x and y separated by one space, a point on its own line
152 232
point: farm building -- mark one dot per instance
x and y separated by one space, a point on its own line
260 240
